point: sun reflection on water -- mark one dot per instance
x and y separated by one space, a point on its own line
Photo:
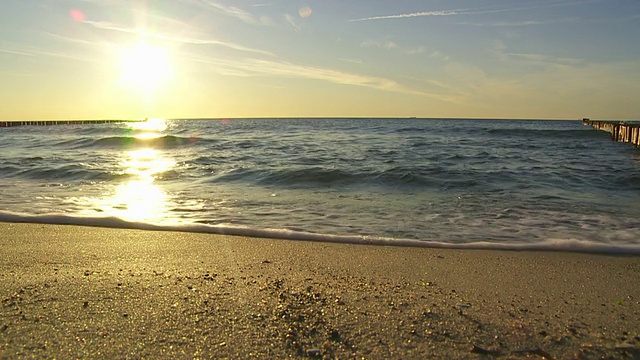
153 124
145 163
148 129
140 199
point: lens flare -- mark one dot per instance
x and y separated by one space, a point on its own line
305 12
77 15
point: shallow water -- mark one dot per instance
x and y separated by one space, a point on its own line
488 183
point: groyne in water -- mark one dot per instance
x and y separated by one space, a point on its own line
11 123
619 130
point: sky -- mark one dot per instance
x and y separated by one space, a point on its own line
131 59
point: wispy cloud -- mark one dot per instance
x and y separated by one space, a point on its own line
353 61
412 15
17 74
291 20
70 40
168 22
16 52
541 58
385 44
256 67
239 13
474 11
417 50
184 40
391 45
505 23
438 55
500 50
32 52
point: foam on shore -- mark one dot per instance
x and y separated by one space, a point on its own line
552 244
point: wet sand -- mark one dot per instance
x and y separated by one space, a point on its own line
82 292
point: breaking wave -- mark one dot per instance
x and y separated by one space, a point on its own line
552 244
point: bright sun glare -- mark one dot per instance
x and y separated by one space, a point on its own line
145 67
152 127
140 198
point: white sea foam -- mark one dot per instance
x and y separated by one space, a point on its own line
552 244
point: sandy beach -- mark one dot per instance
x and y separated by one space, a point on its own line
84 292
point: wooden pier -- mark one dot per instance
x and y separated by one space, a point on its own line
11 123
619 130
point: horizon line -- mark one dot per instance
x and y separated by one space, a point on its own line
310 117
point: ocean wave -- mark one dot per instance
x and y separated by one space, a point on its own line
408 176
548 133
71 173
408 130
313 176
309 176
551 244
10 170
162 142
398 176
627 181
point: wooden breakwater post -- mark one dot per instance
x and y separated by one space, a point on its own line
619 130
12 123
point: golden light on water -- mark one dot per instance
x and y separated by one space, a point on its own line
140 199
153 124
145 163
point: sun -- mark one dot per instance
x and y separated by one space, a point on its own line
145 67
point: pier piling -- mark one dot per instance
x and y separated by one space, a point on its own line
11 123
619 130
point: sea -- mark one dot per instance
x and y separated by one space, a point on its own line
452 183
